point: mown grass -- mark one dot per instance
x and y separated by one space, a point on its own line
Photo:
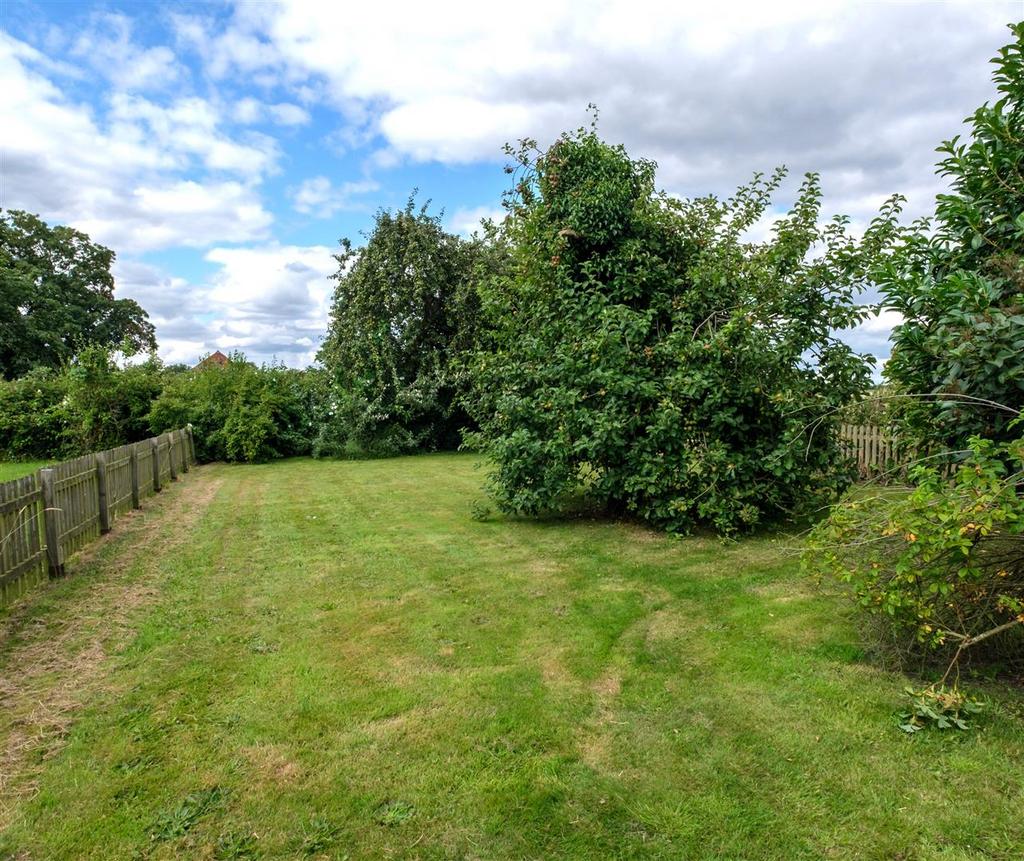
340 662
16 469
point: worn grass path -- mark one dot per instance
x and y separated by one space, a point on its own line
333 660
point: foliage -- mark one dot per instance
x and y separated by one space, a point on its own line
404 306
34 419
109 405
645 356
958 279
57 296
942 563
90 404
178 821
938 706
879 406
241 411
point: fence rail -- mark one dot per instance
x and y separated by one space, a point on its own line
47 516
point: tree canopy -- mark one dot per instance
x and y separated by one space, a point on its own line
958 278
404 308
646 357
57 296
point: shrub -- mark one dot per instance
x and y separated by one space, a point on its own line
90 404
643 356
35 421
240 412
109 405
942 565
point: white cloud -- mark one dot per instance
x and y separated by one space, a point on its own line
318 196
273 300
466 221
269 301
108 47
286 114
713 91
122 176
249 111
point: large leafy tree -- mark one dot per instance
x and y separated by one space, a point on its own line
647 358
404 310
958 278
57 296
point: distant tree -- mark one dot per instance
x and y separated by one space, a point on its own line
958 279
404 309
57 296
241 411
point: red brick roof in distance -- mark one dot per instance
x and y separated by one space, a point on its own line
217 358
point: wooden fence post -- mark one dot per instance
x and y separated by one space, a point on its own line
101 492
51 524
191 444
170 456
133 469
183 441
155 445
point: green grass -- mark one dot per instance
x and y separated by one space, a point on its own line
16 469
334 660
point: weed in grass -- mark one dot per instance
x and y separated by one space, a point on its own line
318 835
939 707
135 764
236 846
178 821
391 813
259 646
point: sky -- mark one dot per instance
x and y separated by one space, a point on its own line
222 149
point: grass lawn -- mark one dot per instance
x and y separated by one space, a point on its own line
334 660
16 469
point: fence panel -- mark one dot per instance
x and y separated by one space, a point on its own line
164 447
77 500
144 453
119 480
877 453
22 547
48 516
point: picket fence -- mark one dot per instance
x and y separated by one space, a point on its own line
47 516
878 453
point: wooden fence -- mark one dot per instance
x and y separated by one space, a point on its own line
878 453
47 516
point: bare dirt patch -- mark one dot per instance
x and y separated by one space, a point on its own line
50 663
595 740
272 764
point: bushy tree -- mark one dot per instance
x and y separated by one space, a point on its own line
404 305
958 279
240 411
648 358
57 296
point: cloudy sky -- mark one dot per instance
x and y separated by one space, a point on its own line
221 149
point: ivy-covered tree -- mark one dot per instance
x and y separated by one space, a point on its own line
404 309
958 279
57 296
647 357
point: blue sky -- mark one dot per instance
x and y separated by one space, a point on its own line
221 149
